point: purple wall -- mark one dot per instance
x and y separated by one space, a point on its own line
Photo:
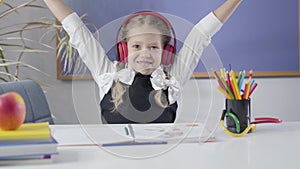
261 35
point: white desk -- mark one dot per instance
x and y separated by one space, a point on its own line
271 146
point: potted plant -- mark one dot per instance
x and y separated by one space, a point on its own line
13 44
12 39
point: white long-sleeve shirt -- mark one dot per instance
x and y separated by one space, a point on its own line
104 71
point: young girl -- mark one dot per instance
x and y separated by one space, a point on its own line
144 84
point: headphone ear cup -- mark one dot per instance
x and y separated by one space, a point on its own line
122 51
168 54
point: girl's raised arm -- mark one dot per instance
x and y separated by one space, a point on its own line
58 8
199 38
226 9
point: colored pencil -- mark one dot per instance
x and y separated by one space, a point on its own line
231 86
242 79
222 72
252 89
235 87
249 84
224 92
218 79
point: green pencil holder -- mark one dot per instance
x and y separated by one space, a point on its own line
238 115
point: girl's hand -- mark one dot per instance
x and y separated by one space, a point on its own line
226 9
59 9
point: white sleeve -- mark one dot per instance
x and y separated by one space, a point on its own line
89 49
198 39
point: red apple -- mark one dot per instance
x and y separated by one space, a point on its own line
12 111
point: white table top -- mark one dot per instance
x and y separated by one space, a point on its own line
270 146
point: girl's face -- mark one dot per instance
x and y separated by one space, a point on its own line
145 49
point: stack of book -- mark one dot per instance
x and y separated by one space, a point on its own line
31 143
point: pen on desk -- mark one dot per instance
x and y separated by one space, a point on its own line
132 143
131 131
192 124
126 131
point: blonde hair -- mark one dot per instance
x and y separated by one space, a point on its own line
118 89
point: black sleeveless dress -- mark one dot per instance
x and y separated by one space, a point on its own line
138 105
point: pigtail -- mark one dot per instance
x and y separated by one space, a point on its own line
118 89
160 99
117 93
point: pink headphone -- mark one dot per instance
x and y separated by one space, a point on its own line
169 50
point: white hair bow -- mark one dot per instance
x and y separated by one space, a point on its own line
159 81
106 80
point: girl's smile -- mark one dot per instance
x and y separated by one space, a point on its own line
144 63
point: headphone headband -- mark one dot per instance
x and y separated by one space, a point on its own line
165 20
149 13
